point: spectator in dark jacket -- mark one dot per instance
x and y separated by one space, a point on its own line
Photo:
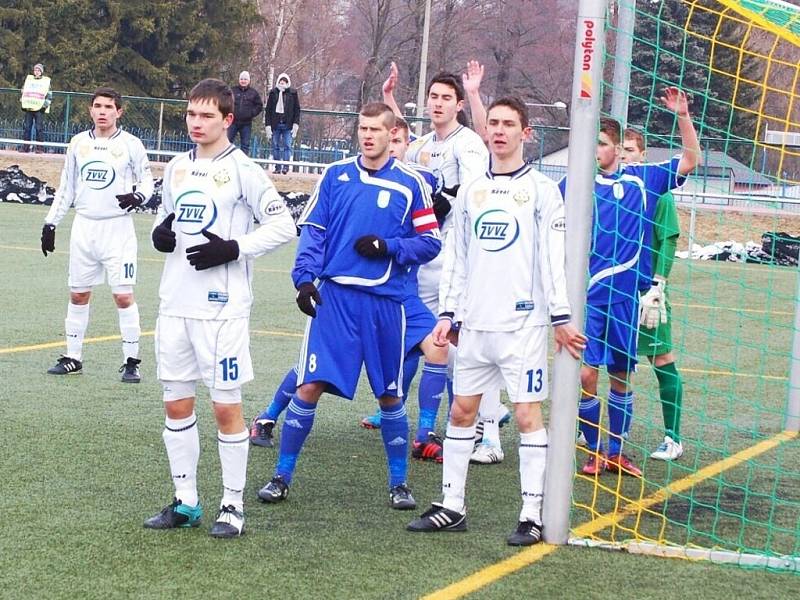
247 106
282 120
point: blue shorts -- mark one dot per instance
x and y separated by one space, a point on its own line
419 322
353 328
613 330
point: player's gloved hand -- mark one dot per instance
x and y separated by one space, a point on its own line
268 131
653 306
48 238
213 253
163 237
371 246
130 201
305 294
441 207
295 129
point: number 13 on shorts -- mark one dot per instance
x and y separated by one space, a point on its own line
535 379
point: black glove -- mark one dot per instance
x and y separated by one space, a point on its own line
48 238
130 201
441 207
163 237
371 246
305 294
213 253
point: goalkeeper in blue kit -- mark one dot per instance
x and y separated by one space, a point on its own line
368 220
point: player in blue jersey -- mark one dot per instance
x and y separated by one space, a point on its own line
418 342
369 218
624 205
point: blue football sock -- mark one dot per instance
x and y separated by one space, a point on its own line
410 364
296 427
282 396
394 431
620 412
431 389
589 424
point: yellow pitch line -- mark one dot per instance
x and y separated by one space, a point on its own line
735 309
111 338
526 557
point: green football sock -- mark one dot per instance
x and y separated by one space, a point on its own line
670 387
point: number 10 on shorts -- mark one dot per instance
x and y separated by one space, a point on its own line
230 368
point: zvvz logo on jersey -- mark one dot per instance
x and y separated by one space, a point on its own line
194 212
496 230
97 175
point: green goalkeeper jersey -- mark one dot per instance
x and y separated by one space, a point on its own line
666 230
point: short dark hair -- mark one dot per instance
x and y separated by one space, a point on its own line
379 109
515 104
611 128
216 90
107 92
402 124
454 81
631 133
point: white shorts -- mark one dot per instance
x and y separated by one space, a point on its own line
216 352
98 246
490 360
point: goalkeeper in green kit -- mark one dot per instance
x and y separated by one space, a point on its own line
655 319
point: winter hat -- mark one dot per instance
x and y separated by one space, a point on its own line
40 66
244 75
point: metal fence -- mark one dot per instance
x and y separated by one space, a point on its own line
325 136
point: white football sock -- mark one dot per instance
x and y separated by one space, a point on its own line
75 328
457 448
183 449
233 449
532 462
130 330
490 411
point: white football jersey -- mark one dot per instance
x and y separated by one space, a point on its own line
96 170
223 195
455 160
504 260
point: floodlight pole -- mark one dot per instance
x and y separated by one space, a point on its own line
622 60
584 116
423 66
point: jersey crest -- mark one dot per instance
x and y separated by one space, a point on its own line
496 230
194 212
97 174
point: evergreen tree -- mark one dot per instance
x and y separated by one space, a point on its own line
147 47
664 55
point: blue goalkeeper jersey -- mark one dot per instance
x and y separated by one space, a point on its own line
350 202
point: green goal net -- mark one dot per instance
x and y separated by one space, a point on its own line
733 496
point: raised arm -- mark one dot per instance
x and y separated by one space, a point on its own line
675 100
472 88
388 90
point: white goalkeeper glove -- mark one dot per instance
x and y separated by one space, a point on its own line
653 306
295 129
268 131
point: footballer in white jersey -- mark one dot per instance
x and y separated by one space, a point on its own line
106 175
228 195
503 283
212 196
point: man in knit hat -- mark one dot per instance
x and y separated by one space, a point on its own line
247 105
35 100
282 121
